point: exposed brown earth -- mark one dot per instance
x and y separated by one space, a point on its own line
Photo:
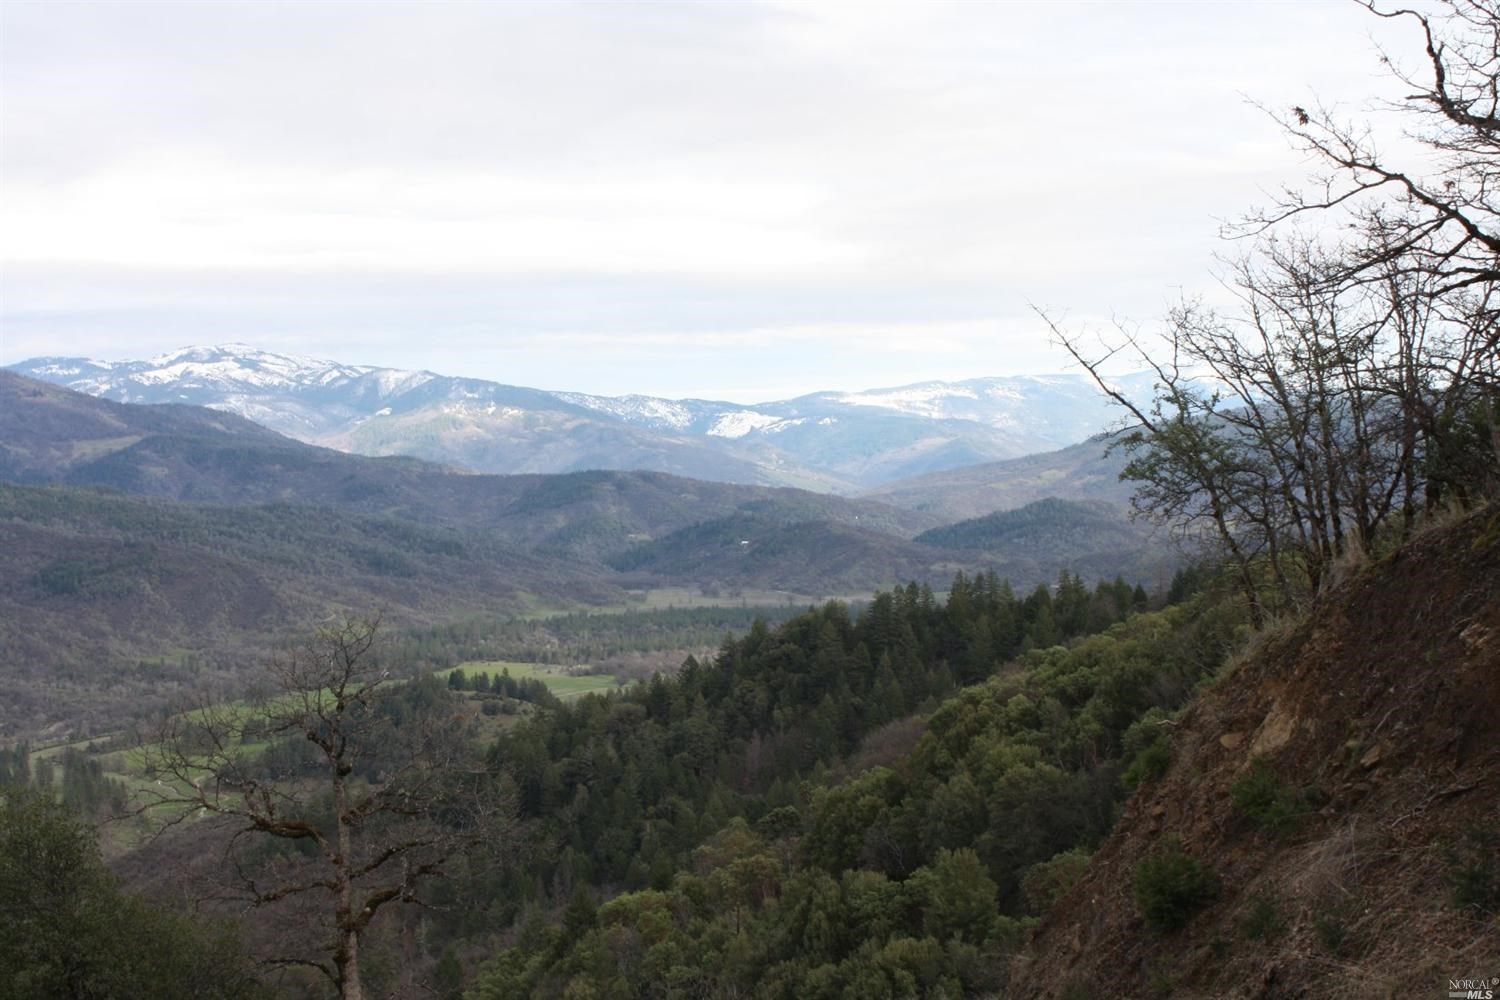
1383 707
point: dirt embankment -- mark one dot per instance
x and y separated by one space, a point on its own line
1364 744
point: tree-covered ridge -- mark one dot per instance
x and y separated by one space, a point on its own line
631 779
1088 537
911 879
1003 525
822 556
1025 762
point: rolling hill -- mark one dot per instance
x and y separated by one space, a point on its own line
1092 539
50 435
148 547
1087 471
109 603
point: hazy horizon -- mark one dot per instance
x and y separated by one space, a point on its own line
168 355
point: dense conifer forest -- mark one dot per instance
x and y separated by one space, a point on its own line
710 800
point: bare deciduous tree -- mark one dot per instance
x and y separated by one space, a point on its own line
1435 215
373 792
1354 384
1431 222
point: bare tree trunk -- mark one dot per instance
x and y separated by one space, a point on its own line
1241 561
346 959
346 956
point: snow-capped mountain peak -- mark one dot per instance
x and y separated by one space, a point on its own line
184 355
245 365
835 439
927 399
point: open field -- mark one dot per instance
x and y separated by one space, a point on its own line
662 598
562 683
558 679
121 760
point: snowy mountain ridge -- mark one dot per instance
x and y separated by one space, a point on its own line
833 440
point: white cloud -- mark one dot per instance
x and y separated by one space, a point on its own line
496 180
174 213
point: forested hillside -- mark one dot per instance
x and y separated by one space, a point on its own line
783 825
1090 538
885 804
1087 471
735 761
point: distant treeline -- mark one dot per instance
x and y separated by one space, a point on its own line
527 689
75 778
577 637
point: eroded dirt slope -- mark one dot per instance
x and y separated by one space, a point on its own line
1378 724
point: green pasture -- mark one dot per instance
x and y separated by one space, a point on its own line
558 679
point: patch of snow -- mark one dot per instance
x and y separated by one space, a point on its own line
241 366
926 399
789 423
1001 391
185 353
664 410
213 372
473 407
648 410
389 381
740 423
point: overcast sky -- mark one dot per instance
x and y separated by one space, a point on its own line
731 200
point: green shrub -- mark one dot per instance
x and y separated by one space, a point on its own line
1171 887
1146 748
1150 764
1045 882
1269 803
1474 871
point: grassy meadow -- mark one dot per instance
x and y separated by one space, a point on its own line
558 679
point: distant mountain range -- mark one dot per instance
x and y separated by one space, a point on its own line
1087 471
132 531
827 441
